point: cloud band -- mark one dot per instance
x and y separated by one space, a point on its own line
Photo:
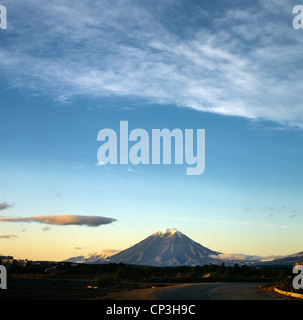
63 220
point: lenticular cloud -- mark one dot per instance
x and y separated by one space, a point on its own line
63 220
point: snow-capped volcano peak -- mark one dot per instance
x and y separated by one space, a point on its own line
168 232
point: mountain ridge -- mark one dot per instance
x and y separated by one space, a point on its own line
93 257
171 247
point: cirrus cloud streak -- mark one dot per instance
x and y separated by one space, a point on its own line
146 50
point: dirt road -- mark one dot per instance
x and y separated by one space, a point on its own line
201 291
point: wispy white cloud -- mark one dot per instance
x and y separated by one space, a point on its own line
237 257
241 257
243 62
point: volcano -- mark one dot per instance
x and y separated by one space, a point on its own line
166 248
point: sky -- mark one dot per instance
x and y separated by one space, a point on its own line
69 69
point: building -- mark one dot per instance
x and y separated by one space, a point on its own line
298 264
5 260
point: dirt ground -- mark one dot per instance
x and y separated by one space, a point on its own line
64 289
59 289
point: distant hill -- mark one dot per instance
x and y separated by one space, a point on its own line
96 257
284 261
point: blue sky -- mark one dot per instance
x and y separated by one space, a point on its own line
69 70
